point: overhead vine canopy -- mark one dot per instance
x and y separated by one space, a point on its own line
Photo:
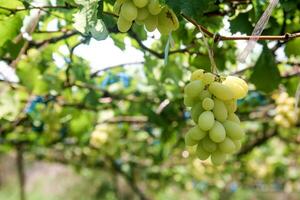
130 119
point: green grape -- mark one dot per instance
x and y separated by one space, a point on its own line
201 153
237 144
208 145
239 81
151 23
206 120
221 91
129 11
140 3
117 6
123 24
197 75
233 130
236 89
196 133
189 141
218 158
227 146
167 21
188 101
142 14
164 30
208 104
231 106
154 7
233 117
217 132
194 88
196 111
208 78
219 110
204 94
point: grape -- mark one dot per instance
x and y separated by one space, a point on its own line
241 82
206 120
227 146
218 158
208 145
208 78
164 30
237 89
233 117
219 110
189 141
233 130
201 153
151 23
128 11
208 104
140 3
167 21
123 24
154 7
204 94
188 101
237 144
196 111
217 132
196 133
221 91
142 14
117 6
194 88
197 75
231 106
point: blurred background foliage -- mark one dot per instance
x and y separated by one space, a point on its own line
119 130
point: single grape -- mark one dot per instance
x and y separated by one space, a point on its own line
241 82
197 75
206 120
208 104
117 6
238 144
236 89
208 78
151 23
221 91
123 24
227 146
219 110
233 130
218 158
128 11
196 133
201 153
217 132
164 30
167 21
140 3
196 111
188 101
194 88
189 141
143 13
231 106
204 94
233 117
154 7
208 145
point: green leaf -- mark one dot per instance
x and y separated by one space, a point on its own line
241 24
292 48
265 76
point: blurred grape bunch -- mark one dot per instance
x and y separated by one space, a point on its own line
102 135
286 114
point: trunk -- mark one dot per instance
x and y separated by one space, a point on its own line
20 170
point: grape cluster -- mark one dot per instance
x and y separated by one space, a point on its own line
286 114
145 12
213 101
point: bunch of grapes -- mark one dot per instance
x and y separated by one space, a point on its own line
145 12
213 101
286 113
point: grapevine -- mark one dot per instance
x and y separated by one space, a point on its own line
213 102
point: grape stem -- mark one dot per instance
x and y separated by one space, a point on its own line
217 37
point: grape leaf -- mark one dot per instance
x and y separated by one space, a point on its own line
265 76
292 48
241 24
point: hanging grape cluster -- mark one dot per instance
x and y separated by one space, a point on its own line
213 102
145 12
286 114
